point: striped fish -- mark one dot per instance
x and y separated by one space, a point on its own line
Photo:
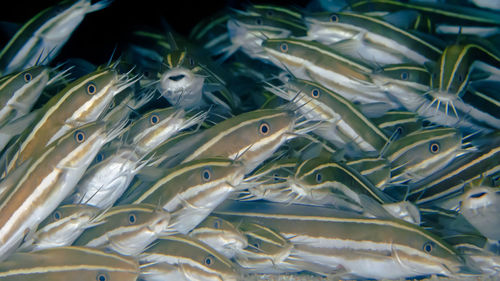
47 180
187 259
190 79
62 227
156 126
440 13
422 153
363 247
126 229
267 251
250 137
19 92
69 263
246 32
322 182
480 207
342 122
221 235
456 69
40 39
312 60
79 103
450 181
379 41
410 85
192 190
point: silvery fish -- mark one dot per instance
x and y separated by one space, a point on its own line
191 80
267 251
19 92
314 61
62 227
342 122
41 38
79 103
187 258
126 229
480 207
104 182
47 180
421 153
446 18
370 38
156 126
69 263
220 235
192 190
445 186
410 85
250 137
247 31
356 246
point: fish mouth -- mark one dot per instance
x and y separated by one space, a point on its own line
176 77
478 199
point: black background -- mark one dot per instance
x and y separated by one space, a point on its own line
99 33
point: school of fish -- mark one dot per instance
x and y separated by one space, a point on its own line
351 139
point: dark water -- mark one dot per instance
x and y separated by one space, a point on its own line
102 31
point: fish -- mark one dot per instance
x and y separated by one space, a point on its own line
47 180
127 229
221 235
186 257
40 39
62 227
358 246
62 263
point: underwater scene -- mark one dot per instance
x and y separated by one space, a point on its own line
250 140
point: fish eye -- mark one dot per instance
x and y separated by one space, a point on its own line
284 47
264 128
27 77
434 147
91 88
319 177
315 93
258 21
206 174
217 224
256 245
270 13
99 157
79 136
276 177
132 218
57 215
334 18
154 119
209 260
405 75
399 131
428 247
102 277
